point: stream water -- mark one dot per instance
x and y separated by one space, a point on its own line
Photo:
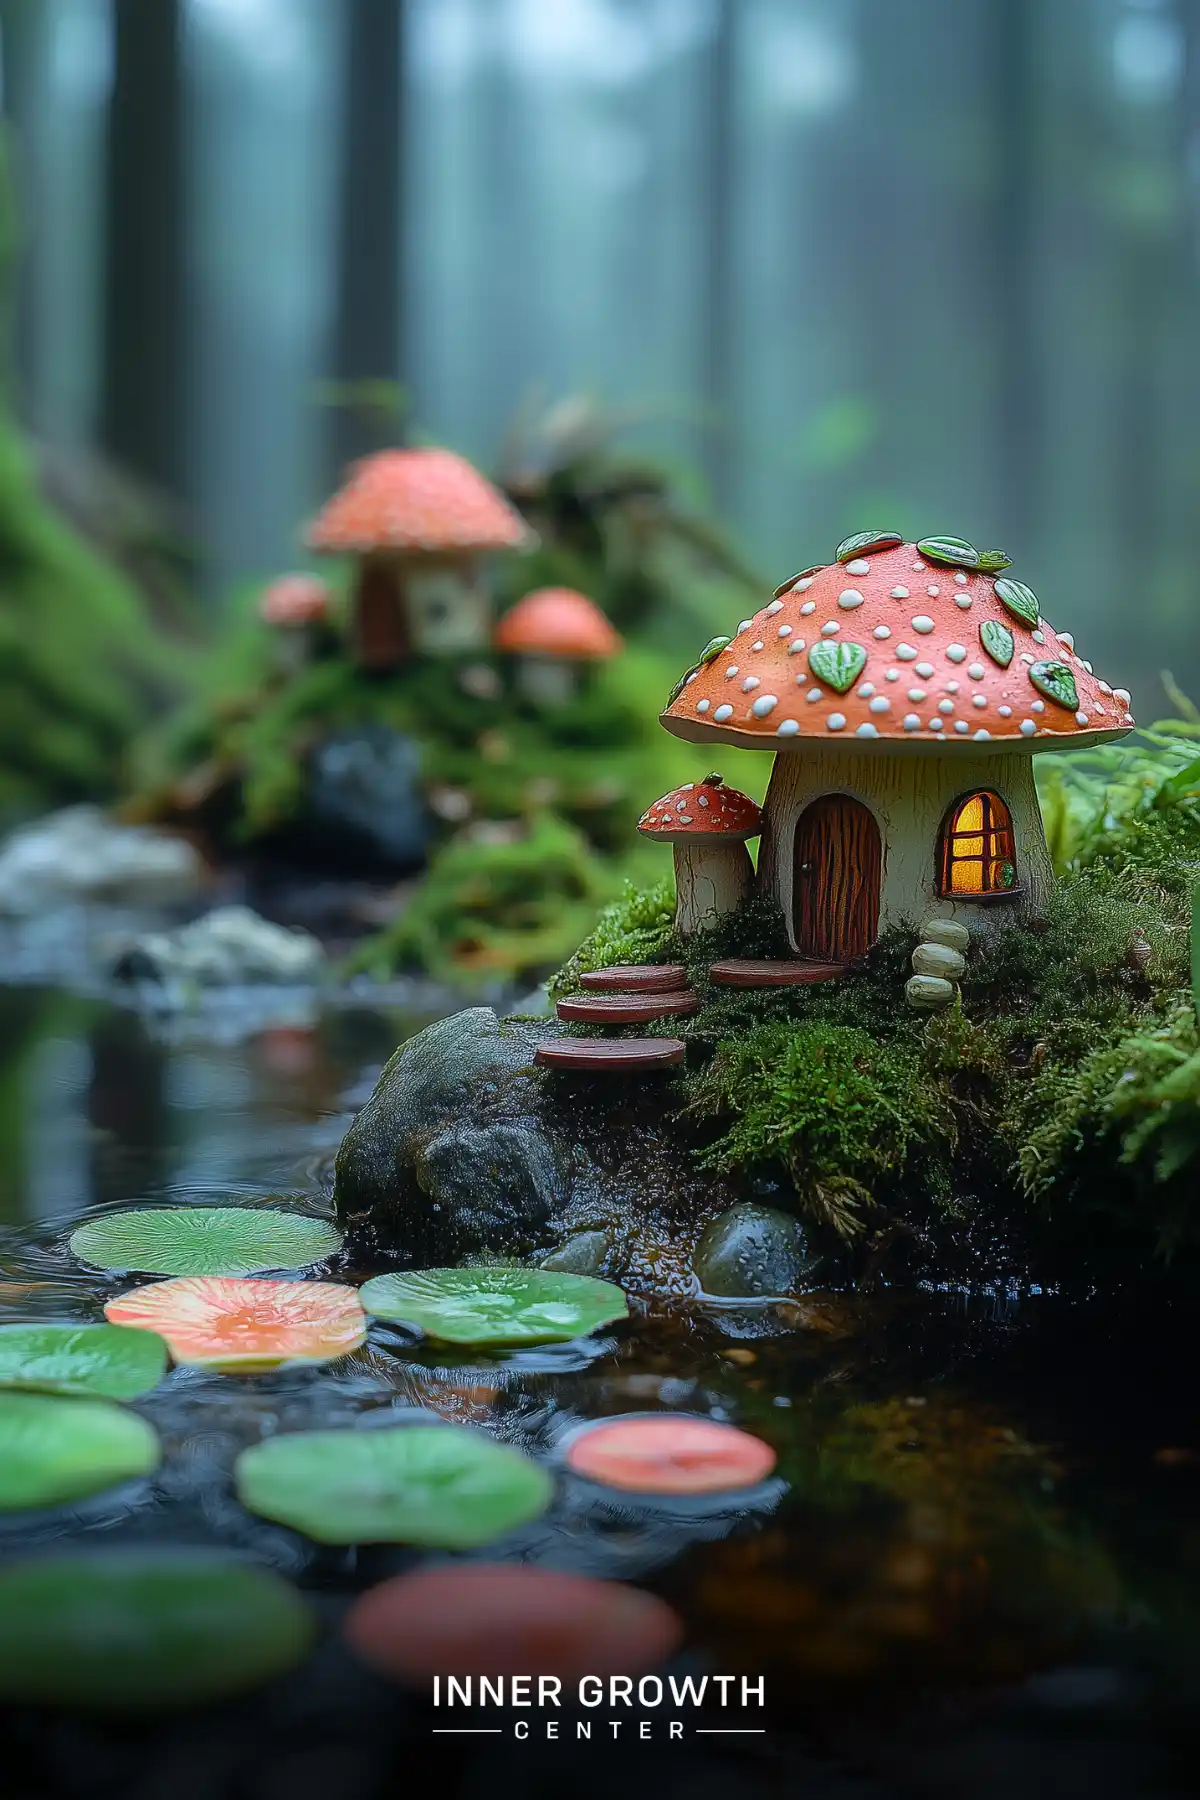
976 1573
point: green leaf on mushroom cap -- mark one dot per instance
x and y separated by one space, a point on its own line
712 650
838 664
110 1360
956 553
991 561
863 542
54 1449
1056 681
998 641
1020 600
203 1240
445 1487
801 575
495 1305
132 1630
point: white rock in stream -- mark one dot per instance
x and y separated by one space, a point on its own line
82 857
230 947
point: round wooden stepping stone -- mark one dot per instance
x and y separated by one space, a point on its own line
626 1009
747 973
621 1056
636 978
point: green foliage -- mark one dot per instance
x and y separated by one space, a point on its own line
638 928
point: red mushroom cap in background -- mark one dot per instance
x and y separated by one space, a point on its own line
895 645
557 621
417 500
294 600
702 809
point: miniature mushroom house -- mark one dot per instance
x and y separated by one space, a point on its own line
905 688
552 632
296 607
418 522
707 824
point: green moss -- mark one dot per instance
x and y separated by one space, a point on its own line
637 928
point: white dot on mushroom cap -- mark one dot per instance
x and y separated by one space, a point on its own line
809 606
681 806
860 566
795 647
785 631
936 724
866 690
976 671
766 703
731 671
964 600
758 645
933 590
881 704
775 606
836 722
952 687
892 675
1005 712
722 713
961 579
867 730
750 683
1027 727
1081 718
813 693
1104 687
789 728
685 818
923 623
703 705
883 631
745 624
1122 694
905 652
830 627
911 722
960 725
1039 637
979 700
924 670
703 798
945 706
956 653
802 586
899 593
849 598
1067 638
916 693
1037 706
1026 658
981 735
688 679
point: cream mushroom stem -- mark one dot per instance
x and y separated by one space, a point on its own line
713 878
548 680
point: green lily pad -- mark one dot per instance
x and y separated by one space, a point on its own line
992 561
1056 681
441 1486
204 1240
110 1360
712 650
54 1449
495 1305
998 641
1021 601
956 553
130 1631
791 581
863 542
838 664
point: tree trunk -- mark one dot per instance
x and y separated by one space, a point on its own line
720 281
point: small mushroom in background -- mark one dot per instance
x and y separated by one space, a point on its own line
551 632
707 824
296 607
418 521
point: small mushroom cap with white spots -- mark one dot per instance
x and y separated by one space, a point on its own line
1000 678
557 621
294 600
702 809
418 501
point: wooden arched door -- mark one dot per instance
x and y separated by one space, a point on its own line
836 872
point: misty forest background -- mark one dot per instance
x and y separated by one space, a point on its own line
925 264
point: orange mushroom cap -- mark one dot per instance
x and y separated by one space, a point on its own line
702 809
894 646
294 600
417 500
557 621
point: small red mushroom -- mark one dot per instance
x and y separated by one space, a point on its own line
708 824
551 630
292 600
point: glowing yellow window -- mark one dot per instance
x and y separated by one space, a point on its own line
978 854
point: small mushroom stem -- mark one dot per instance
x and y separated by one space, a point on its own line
711 881
549 680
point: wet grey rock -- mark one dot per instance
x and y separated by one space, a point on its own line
449 1156
366 801
82 857
229 947
583 1254
751 1251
